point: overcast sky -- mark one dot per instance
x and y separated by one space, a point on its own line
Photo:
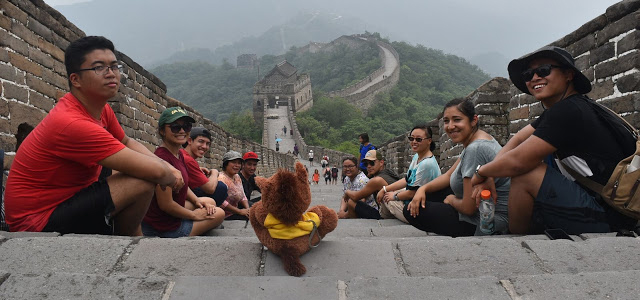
463 27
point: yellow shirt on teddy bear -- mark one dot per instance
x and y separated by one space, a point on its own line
277 230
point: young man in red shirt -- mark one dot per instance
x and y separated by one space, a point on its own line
202 181
54 182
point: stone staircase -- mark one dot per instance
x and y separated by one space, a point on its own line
361 259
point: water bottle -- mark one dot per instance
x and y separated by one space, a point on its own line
486 209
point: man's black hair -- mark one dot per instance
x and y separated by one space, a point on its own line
74 55
365 137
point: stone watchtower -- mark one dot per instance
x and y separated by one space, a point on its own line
281 86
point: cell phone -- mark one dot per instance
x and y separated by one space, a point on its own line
557 234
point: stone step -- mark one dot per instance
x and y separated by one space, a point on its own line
61 285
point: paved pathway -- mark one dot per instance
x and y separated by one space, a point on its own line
361 259
390 64
274 128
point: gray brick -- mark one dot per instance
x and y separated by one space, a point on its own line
320 288
425 288
597 285
467 257
61 254
600 254
81 286
203 256
344 259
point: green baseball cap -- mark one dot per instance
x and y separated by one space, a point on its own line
171 114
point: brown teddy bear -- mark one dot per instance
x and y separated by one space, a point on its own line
280 221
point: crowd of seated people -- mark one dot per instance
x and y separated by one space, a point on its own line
78 172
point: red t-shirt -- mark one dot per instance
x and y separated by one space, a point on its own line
196 177
156 217
58 159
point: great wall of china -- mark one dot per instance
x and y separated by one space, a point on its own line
32 78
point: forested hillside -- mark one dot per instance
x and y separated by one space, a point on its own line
218 91
428 79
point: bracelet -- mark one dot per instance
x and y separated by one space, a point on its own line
478 172
385 188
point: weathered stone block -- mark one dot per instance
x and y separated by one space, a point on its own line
51 49
583 62
601 89
622 104
620 65
493 98
7 40
629 42
40 29
590 74
40 57
516 126
629 83
536 110
5 22
41 102
602 53
8 72
7 143
583 45
14 12
12 91
4 106
21 113
4 55
626 23
24 33
519 113
41 86
23 64
59 41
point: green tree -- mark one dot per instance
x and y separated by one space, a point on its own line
243 125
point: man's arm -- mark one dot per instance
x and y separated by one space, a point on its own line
136 146
374 185
516 140
517 161
138 165
212 184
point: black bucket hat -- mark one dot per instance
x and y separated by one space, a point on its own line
517 66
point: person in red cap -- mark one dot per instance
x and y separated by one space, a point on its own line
248 174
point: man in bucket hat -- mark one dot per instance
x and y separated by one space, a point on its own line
545 196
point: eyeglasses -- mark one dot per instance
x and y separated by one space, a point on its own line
542 71
349 166
103 70
370 163
419 140
175 127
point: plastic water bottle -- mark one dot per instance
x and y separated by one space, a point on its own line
486 209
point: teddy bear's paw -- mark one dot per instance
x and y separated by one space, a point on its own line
293 265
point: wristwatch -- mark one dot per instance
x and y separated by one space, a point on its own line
478 174
395 196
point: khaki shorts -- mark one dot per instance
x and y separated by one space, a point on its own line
392 209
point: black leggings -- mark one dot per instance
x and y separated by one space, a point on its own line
438 217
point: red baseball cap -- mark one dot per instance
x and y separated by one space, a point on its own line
250 155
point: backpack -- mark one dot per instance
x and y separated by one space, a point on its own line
621 191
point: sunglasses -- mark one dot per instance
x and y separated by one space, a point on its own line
542 71
369 163
419 140
175 127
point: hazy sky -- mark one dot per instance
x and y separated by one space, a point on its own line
463 27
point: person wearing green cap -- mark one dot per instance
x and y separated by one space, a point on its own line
61 177
178 213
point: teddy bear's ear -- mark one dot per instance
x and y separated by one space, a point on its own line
261 181
301 172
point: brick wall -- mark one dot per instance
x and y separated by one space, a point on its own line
606 51
33 37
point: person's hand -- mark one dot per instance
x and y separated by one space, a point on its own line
380 196
475 179
416 203
211 208
490 185
200 214
244 212
206 171
178 182
388 196
449 199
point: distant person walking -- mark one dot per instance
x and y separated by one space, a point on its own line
311 157
334 174
316 176
295 150
365 146
284 130
277 146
